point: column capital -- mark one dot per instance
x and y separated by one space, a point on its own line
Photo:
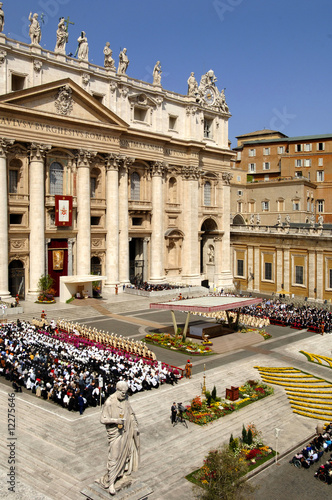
227 177
113 161
191 173
38 151
158 168
84 157
127 161
4 143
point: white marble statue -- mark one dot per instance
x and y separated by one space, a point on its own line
279 220
252 219
192 84
320 220
2 18
83 47
34 29
287 220
61 37
157 74
123 62
123 437
108 59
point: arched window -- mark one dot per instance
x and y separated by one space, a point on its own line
135 186
56 178
207 194
172 190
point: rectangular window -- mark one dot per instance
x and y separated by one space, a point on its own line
239 207
320 175
298 174
296 206
172 122
137 221
281 150
95 221
307 162
15 218
299 275
240 192
265 206
298 163
266 151
320 206
18 82
240 267
320 146
93 187
266 165
298 147
320 162
13 181
307 147
268 271
252 167
207 128
281 205
239 155
140 114
252 152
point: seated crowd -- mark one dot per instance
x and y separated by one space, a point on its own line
315 450
309 317
68 374
152 287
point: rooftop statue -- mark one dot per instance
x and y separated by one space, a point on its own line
34 30
2 18
157 74
123 437
61 37
108 59
123 62
192 85
83 47
208 93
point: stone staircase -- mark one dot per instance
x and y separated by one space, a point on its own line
60 453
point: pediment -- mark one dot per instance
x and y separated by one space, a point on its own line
64 99
142 100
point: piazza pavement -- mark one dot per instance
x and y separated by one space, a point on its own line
59 454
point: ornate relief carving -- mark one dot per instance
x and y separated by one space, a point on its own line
3 56
227 177
64 100
84 157
124 91
113 87
37 65
158 168
85 78
191 173
17 244
96 242
4 143
38 151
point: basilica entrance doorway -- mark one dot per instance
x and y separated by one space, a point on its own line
207 250
16 281
57 262
136 261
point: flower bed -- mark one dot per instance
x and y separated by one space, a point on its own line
201 413
176 343
261 332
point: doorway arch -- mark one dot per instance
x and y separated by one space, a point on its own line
16 278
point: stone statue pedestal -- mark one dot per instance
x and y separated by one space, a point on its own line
35 49
125 488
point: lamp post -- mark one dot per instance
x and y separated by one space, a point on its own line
204 386
277 436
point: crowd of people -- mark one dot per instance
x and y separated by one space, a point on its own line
314 451
151 287
305 316
68 374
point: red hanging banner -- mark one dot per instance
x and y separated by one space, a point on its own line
63 210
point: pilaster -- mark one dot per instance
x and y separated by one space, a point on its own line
4 292
157 227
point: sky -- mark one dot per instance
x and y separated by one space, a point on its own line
273 57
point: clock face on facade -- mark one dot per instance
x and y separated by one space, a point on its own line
209 96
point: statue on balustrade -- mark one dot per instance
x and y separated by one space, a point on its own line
34 30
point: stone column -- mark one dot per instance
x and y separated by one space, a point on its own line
83 247
251 268
145 258
257 274
47 241
190 258
71 241
112 222
37 215
280 276
226 271
286 270
4 292
157 224
217 259
124 222
320 277
312 274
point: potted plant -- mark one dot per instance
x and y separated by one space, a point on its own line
45 291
